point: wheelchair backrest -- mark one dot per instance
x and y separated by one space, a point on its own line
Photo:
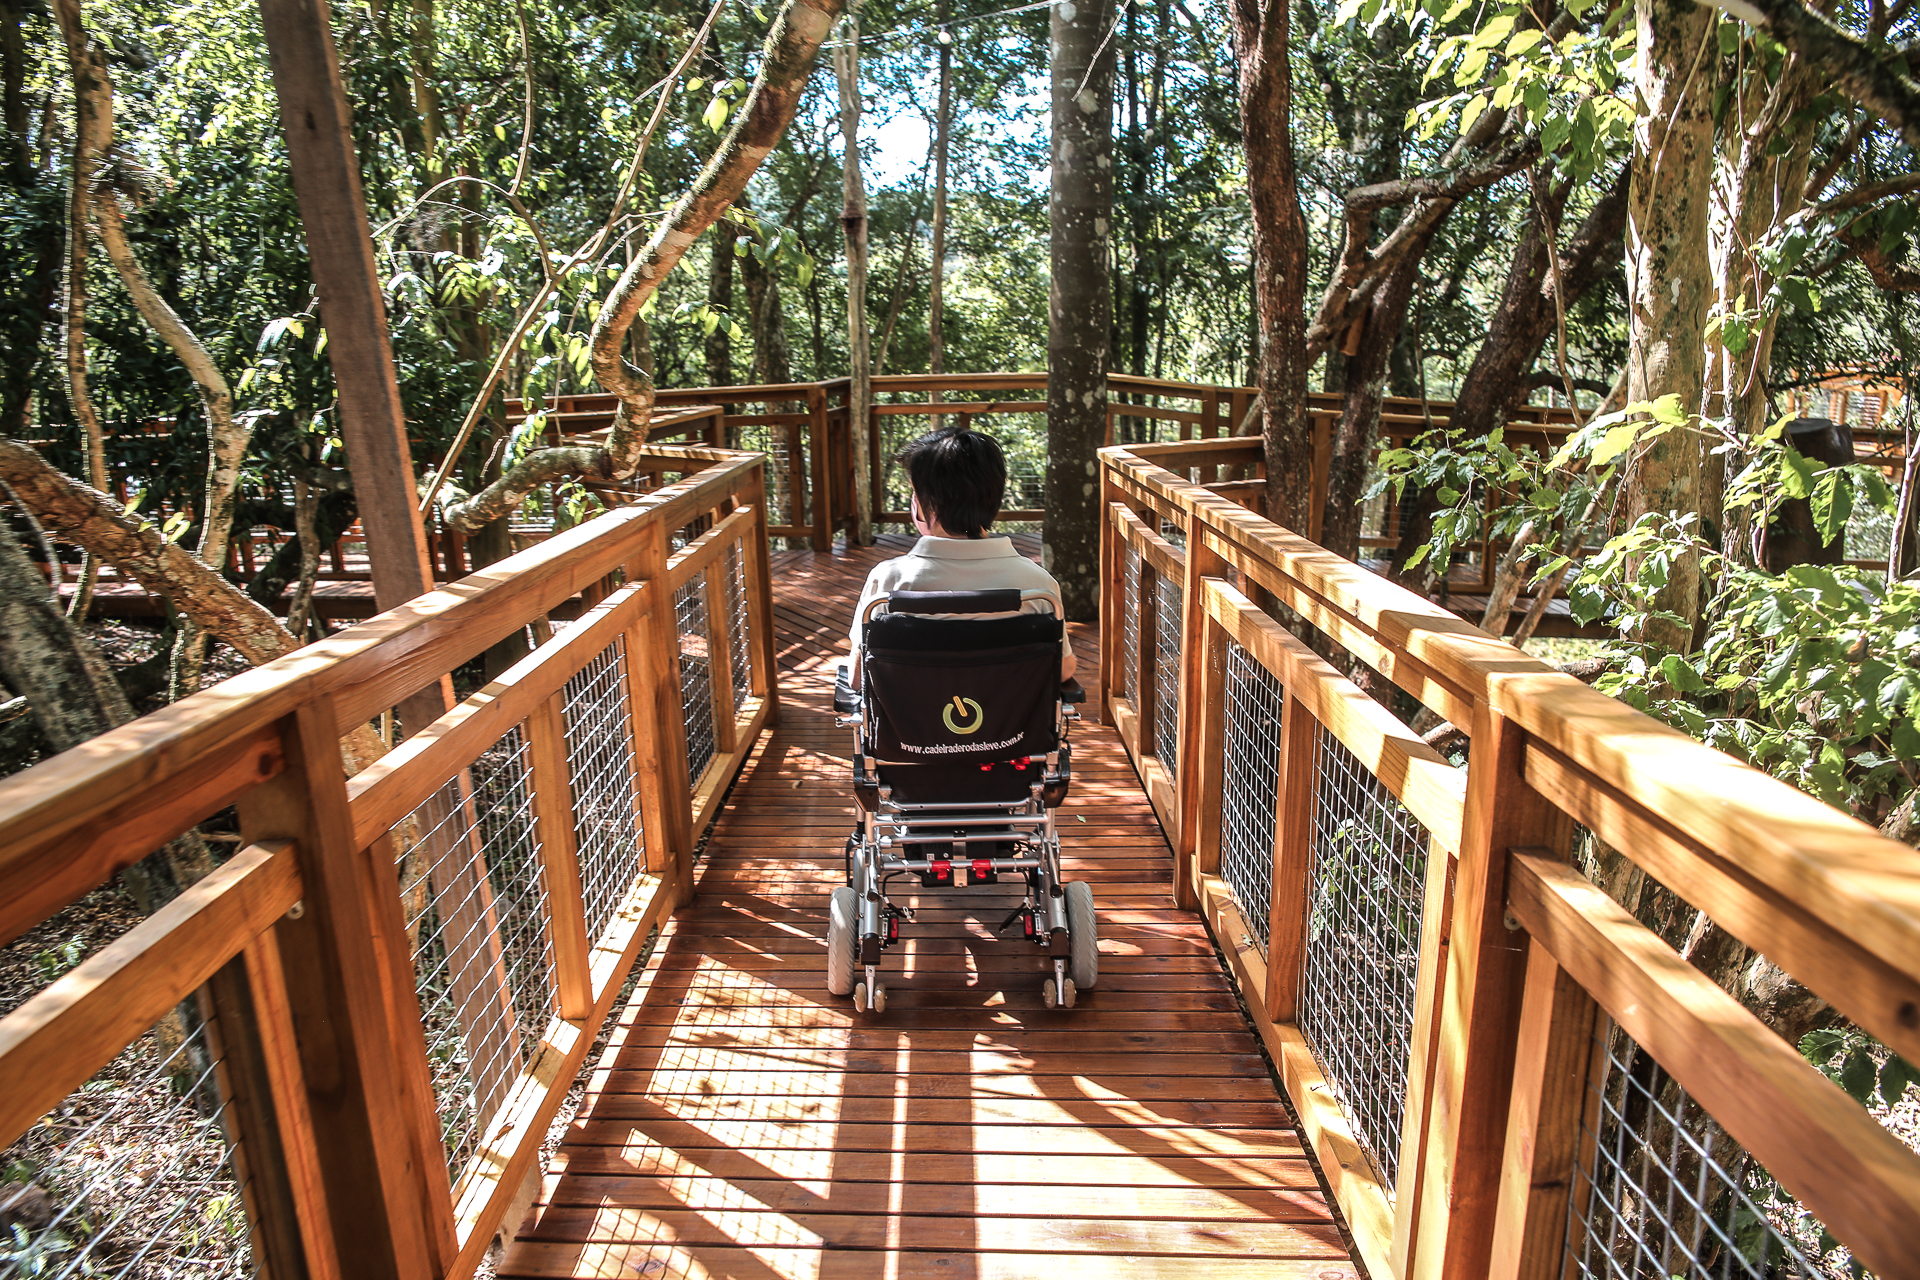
947 686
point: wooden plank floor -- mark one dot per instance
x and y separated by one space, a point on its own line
743 1123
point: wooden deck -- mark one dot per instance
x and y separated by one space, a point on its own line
744 1123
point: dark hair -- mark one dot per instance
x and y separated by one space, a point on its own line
960 477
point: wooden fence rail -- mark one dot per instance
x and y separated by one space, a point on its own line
1503 1072
397 975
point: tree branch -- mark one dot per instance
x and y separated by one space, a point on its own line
1894 279
1882 80
1360 270
95 522
1872 193
787 60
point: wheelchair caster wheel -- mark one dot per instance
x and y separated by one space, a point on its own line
870 1002
1052 993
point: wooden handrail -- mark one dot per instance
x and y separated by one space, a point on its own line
336 1106
1518 952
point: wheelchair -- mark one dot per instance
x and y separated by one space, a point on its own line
961 756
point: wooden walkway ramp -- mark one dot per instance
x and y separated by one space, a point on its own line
743 1123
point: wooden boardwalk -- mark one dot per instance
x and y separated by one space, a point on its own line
743 1123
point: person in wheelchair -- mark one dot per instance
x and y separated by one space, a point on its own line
960 694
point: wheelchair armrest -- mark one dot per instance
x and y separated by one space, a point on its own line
1071 691
845 700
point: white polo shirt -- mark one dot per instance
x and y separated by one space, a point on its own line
955 564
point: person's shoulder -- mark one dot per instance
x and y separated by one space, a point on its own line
888 572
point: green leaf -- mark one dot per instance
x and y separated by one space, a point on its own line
1796 473
1728 34
1681 674
1858 1076
1524 41
715 116
1801 294
176 526
1896 1074
1471 68
1832 503
1616 442
1472 111
1553 133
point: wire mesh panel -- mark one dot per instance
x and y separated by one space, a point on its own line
739 649
132 1174
1166 672
598 714
696 673
1661 1190
478 917
1251 786
1365 887
1130 628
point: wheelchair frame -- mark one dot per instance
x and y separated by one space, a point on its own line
889 836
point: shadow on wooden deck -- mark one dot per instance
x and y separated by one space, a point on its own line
744 1123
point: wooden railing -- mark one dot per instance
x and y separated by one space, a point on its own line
386 993
803 428
1503 1071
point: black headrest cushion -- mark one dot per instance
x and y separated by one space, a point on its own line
905 631
998 600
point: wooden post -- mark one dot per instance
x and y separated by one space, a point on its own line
250 1036
822 502
1203 745
1416 1132
757 565
1197 718
1146 699
333 211
1322 465
1288 895
659 731
1557 1021
720 656
1480 1006
1113 567
553 817
356 1019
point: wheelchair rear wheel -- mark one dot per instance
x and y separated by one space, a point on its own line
843 914
1083 935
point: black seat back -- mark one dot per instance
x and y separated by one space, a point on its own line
961 690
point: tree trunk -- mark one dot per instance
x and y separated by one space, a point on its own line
853 224
1669 281
73 697
98 525
719 343
902 271
1260 45
93 135
1766 150
1522 319
758 124
942 127
1359 426
1080 300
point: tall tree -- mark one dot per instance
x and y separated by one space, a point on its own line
942 131
853 224
1261 47
1670 280
1079 298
